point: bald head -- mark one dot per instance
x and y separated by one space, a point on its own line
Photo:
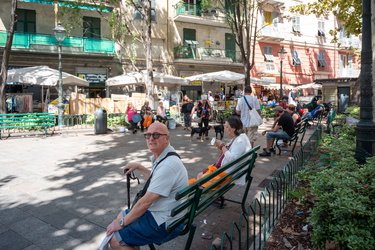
157 145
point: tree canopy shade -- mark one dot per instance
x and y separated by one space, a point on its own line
347 12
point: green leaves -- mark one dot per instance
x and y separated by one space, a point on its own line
344 212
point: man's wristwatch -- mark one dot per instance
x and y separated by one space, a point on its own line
122 222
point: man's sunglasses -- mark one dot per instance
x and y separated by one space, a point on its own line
156 135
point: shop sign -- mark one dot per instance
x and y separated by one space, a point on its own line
269 79
93 78
196 83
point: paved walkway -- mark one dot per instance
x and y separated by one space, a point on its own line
61 192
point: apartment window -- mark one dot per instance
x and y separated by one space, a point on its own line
26 21
321 29
343 62
296 58
350 61
296 24
138 15
267 18
91 27
269 67
268 57
321 61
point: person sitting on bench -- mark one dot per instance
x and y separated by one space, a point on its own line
319 109
284 129
147 221
162 114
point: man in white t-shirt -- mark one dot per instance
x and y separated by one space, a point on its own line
149 218
243 110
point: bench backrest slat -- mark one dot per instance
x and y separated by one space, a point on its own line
198 198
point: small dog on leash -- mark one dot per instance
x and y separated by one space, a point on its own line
201 131
219 129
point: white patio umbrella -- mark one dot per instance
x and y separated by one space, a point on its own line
43 76
220 76
225 76
137 78
310 86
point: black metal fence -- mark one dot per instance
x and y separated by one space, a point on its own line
253 229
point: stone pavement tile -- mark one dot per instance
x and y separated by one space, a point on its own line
32 228
39 209
103 217
10 240
3 228
12 215
73 225
32 247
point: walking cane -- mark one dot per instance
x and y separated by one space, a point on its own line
128 177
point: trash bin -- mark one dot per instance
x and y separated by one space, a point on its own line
100 126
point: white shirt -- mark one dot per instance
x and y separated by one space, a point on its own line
245 111
240 145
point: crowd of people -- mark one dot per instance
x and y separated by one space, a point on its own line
146 222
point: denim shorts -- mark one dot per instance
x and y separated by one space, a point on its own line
144 231
279 134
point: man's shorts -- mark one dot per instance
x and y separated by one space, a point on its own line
279 134
252 133
144 231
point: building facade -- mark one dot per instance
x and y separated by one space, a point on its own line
186 40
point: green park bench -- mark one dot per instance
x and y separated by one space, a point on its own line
11 122
299 132
197 198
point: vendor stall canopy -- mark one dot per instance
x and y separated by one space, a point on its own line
137 78
225 76
310 86
43 76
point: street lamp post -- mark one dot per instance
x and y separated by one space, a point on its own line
281 53
365 130
60 36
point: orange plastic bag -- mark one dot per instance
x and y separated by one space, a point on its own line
147 121
210 170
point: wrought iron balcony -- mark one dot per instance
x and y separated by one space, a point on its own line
207 54
272 33
47 43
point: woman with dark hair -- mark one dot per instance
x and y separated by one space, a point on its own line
239 145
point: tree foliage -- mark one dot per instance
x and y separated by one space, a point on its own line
126 31
241 17
347 12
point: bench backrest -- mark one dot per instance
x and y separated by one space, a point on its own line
197 198
331 116
26 120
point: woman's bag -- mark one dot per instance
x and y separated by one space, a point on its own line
136 118
147 120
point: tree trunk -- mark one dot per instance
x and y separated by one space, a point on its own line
149 77
6 55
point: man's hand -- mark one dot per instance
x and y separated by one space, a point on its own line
130 167
113 227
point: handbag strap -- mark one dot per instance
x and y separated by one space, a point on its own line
144 190
247 103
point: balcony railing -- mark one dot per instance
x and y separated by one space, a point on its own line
188 9
271 32
207 54
36 42
348 72
349 42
